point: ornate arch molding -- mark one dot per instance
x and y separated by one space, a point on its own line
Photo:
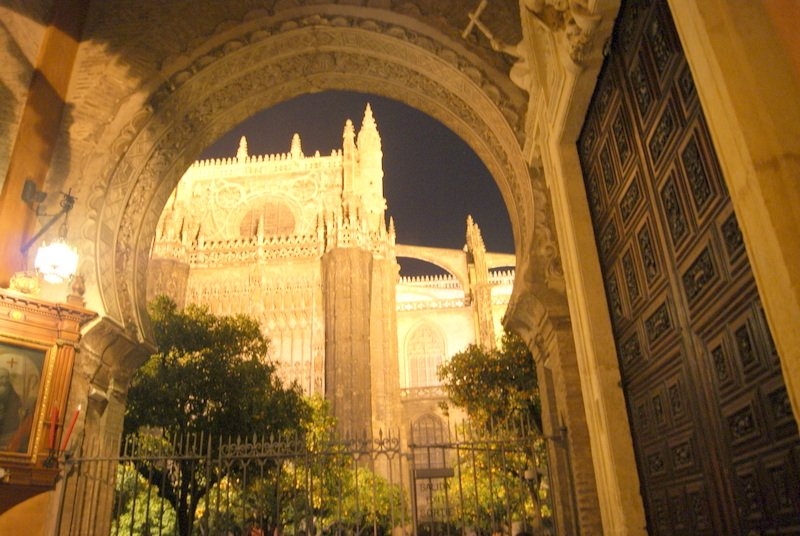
262 66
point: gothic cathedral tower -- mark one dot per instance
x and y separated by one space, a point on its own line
359 274
301 244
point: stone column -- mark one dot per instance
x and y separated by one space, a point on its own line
107 358
385 368
480 290
572 445
548 333
383 347
347 275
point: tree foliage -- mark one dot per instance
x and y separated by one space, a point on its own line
211 378
494 386
138 506
499 391
211 375
311 484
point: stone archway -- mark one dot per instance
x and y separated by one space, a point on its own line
164 130
151 129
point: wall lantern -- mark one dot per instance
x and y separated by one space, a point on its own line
57 261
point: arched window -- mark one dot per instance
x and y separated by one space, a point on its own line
278 220
428 437
424 354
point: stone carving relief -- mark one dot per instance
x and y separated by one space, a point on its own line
504 97
548 258
568 24
569 21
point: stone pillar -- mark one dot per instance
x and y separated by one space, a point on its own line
347 274
573 432
385 367
594 369
480 290
383 347
548 333
107 358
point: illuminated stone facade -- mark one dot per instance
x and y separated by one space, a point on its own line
301 244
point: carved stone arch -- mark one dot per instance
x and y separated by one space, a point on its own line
210 96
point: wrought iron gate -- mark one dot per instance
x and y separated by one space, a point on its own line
481 482
286 486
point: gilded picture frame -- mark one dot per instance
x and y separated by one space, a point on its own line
22 380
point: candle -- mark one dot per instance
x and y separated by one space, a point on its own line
69 429
53 426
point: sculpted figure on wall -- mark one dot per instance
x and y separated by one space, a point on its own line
567 24
570 21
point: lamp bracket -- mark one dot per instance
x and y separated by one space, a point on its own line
31 195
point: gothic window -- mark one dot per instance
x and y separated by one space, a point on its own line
424 353
278 220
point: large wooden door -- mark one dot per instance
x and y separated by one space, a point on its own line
715 439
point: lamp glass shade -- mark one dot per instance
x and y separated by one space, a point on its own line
57 261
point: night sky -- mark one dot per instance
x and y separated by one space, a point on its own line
432 179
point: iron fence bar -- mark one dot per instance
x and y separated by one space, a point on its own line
81 482
309 478
373 510
356 465
447 511
461 490
203 521
507 492
412 467
475 484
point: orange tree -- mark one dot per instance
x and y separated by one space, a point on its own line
499 391
210 377
495 387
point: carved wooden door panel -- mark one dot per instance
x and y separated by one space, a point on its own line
715 440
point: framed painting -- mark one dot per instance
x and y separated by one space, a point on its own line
21 390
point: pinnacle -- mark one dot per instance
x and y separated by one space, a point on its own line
349 131
241 154
296 149
369 119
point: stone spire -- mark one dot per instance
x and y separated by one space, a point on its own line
370 155
480 291
241 154
368 138
474 237
349 157
392 232
296 150
370 170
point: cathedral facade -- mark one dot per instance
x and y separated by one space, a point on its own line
301 244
